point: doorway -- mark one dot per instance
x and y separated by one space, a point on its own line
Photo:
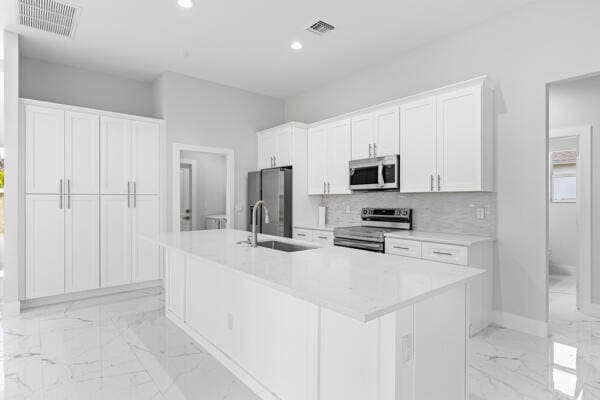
573 287
203 195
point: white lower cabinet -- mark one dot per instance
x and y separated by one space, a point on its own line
82 236
45 244
295 350
314 235
145 255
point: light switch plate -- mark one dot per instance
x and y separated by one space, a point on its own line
407 348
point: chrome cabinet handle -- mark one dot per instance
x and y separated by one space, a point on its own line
370 149
374 149
128 194
328 188
431 183
402 248
438 182
442 253
301 234
60 189
324 187
68 193
134 194
322 237
274 161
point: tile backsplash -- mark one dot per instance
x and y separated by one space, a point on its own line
435 212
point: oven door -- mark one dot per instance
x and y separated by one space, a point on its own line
380 173
359 244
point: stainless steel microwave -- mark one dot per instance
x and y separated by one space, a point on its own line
379 173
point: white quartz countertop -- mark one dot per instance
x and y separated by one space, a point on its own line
356 283
437 237
316 227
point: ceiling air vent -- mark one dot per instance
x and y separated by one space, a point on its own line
320 28
48 15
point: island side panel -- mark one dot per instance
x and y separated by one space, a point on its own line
440 346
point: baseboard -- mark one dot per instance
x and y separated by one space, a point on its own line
521 324
87 294
240 373
11 308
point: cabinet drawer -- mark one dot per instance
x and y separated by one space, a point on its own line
445 253
401 247
303 234
323 237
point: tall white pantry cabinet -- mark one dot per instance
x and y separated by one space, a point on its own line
92 188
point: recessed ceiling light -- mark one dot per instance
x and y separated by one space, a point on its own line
296 45
185 3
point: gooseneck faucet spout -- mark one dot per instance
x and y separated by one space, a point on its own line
254 241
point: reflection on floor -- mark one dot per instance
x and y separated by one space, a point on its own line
122 347
115 347
510 365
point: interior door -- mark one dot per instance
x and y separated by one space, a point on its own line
115 240
387 132
82 236
185 198
45 246
145 156
418 146
362 137
338 157
82 153
115 155
44 142
144 223
317 160
459 140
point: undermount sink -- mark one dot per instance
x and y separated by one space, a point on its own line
283 246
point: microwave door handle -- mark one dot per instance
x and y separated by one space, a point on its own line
380 174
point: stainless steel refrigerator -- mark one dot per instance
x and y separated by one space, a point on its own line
274 187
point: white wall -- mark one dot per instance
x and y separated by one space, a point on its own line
576 103
210 185
13 206
543 42
562 217
203 113
41 80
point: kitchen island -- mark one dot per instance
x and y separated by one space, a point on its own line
324 323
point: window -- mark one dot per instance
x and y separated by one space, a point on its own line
563 176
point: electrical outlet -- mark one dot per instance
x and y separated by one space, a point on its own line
480 213
406 348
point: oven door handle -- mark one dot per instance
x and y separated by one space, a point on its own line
352 237
358 245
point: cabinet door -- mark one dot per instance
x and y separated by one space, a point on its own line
82 238
82 152
176 283
267 147
338 156
45 153
417 148
145 140
362 136
459 140
45 246
317 160
387 132
145 217
115 240
115 155
283 155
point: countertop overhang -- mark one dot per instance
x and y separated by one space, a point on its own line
356 283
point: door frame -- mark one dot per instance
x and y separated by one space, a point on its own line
192 190
584 213
230 181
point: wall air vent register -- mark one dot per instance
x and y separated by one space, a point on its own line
51 16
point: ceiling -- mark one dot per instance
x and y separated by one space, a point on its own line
246 44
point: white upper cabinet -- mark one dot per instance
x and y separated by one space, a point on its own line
115 155
44 142
446 141
376 134
275 148
145 144
417 149
329 151
82 153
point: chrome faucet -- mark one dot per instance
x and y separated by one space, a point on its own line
254 240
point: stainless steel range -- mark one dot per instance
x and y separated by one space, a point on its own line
376 222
